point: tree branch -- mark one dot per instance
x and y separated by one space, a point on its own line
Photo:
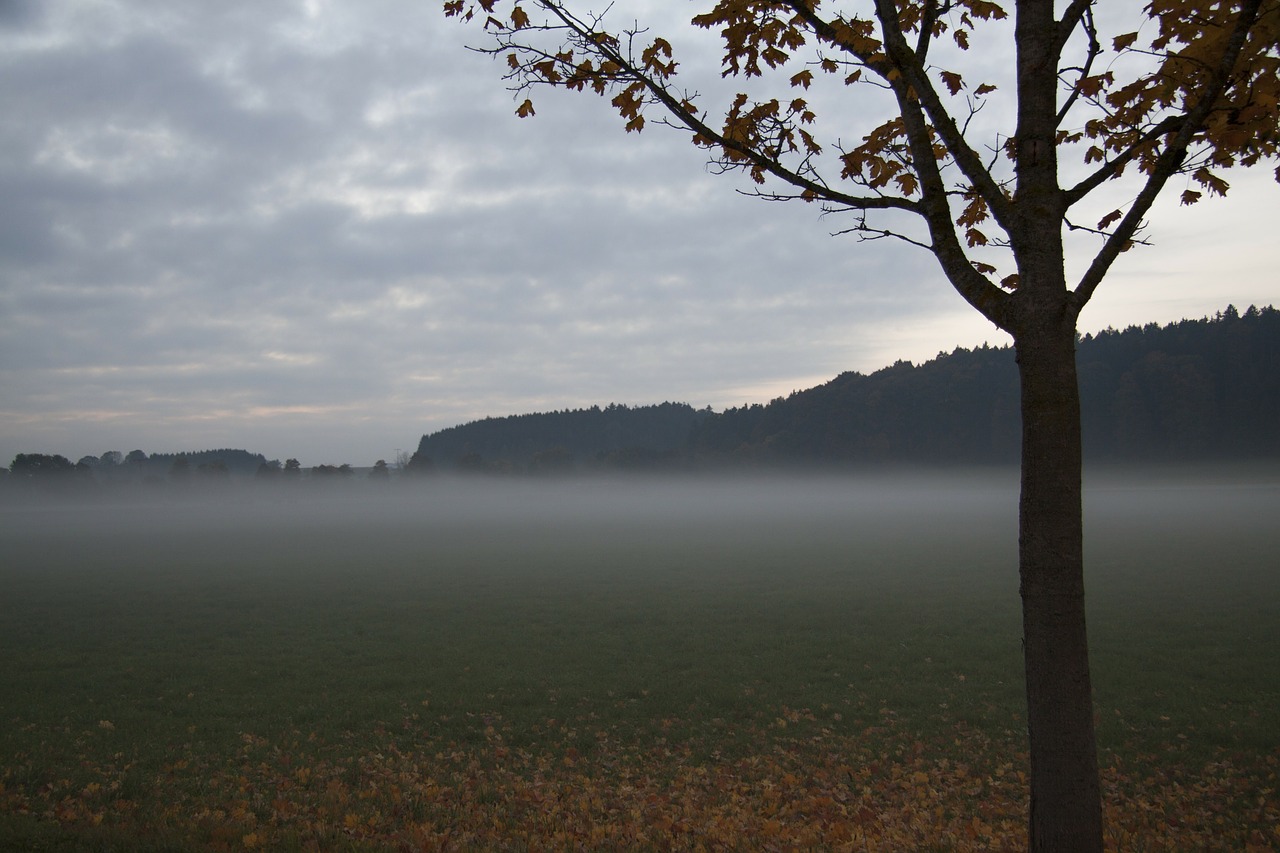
906 61
1171 158
1094 50
590 41
755 138
1071 226
1071 19
977 290
1113 167
928 18
866 234
914 92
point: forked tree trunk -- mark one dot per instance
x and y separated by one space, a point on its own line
1065 798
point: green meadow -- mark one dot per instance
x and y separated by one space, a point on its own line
829 663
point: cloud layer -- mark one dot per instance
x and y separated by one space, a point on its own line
317 229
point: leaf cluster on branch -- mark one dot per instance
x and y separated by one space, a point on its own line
1192 92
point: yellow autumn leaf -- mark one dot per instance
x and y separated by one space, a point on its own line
1108 219
1123 42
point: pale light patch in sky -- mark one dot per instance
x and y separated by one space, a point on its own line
117 154
291 358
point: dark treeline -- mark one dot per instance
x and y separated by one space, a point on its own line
116 469
1193 391
203 470
1196 390
137 464
211 461
619 437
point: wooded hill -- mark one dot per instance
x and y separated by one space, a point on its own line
1196 390
614 437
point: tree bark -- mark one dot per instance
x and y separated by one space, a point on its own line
1066 802
1066 812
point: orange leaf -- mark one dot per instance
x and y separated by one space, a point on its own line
1123 42
804 78
526 109
1212 182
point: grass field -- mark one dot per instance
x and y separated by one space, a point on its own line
822 663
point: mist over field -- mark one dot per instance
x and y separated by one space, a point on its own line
173 656
917 526
408 518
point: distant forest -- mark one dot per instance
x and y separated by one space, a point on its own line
202 468
1196 390
614 437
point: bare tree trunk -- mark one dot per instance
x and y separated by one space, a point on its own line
1066 812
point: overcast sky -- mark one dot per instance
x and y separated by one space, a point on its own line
317 229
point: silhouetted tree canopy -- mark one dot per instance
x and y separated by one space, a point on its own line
563 439
1194 390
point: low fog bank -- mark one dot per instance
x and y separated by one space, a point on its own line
913 503
1199 503
447 500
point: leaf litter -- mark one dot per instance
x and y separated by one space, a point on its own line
809 783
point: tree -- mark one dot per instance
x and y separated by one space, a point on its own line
419 464
214 471
41 466
551 461
268 470
108 465
180 470
1188 88
136 461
